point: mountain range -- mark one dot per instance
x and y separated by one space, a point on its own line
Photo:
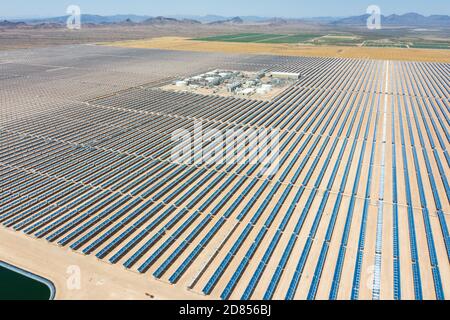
235 20
168 21
91 18
394 20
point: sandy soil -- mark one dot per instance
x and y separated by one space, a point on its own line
185 44
100 280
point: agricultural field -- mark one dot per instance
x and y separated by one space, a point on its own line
244 37
286 49
262 38
420 44
323 39
432 45
229 37
298 38
385 44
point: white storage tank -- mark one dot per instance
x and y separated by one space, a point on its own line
285 75
225 75
265 88
214 81
181 83
248 91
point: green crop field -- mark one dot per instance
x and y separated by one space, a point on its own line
257 38
421 45
324 40
227 37
262 38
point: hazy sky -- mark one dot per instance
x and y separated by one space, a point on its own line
280 8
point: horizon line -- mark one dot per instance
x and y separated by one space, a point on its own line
206 15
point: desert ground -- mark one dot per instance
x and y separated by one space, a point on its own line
186 44
97 280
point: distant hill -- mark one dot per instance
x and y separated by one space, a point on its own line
405 20
215 18
202 19
256 18
232 21
91 18
166 21
11 25
47 26
22 25
275 22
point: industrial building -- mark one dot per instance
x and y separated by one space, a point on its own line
232 83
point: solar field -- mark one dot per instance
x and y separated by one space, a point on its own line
359 207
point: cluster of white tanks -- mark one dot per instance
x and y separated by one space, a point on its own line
238 82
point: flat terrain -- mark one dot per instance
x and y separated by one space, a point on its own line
311 33
243 47
358 209
97 280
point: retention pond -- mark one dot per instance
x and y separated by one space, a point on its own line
17 284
